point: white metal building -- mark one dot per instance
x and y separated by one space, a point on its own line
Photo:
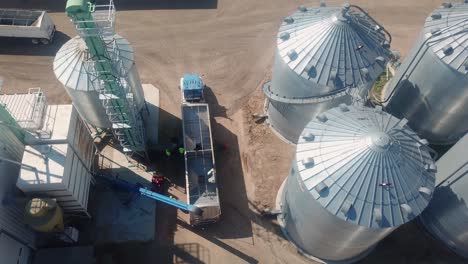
16 239
60 167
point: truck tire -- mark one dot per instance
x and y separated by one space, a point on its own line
35 41
45 41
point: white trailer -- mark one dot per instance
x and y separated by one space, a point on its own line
32 24
200 171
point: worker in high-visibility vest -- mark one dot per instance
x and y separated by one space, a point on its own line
167 153
181 150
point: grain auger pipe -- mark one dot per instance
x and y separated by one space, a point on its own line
150 194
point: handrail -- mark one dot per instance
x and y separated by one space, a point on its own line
375 22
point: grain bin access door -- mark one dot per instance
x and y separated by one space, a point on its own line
13 251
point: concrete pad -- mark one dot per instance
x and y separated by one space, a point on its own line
121 217
113 162
151 116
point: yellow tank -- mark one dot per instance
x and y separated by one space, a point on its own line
44 215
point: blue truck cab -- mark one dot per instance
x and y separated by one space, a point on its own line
192 88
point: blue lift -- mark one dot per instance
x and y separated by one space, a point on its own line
150 194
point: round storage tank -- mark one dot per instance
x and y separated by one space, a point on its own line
44 215
430 88
446 217
325 56
73 69
358 173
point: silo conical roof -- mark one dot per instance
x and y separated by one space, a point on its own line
445 31
72 61
334 47
365 166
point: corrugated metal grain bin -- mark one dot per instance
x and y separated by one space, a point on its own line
325 56
430 88
358 174
74 69
447 215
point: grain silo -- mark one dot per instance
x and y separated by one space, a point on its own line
358 174
74 69
325 56
430 88
446 217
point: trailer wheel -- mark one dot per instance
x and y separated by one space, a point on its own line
35 41
45 41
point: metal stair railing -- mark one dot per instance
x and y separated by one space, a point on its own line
107 69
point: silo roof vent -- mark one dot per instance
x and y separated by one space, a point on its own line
446 5
380 59
385 44
425 191
308 162
431 167
322 118
447 50
346 207
343 108
436 15
435 31
310 69
308 136
292 54
321 187
284 36
289 20
377 214
365 72
407 210
424 142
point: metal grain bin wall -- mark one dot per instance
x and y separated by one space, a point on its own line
325 56
430 88
358 174
446 217
74 70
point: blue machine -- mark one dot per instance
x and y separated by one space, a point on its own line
192 87
150 194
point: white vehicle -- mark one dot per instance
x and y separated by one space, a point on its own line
32 24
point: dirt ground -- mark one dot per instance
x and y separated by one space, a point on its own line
231 44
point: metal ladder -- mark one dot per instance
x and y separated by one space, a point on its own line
93 23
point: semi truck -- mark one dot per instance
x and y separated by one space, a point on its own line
32 24
200 171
